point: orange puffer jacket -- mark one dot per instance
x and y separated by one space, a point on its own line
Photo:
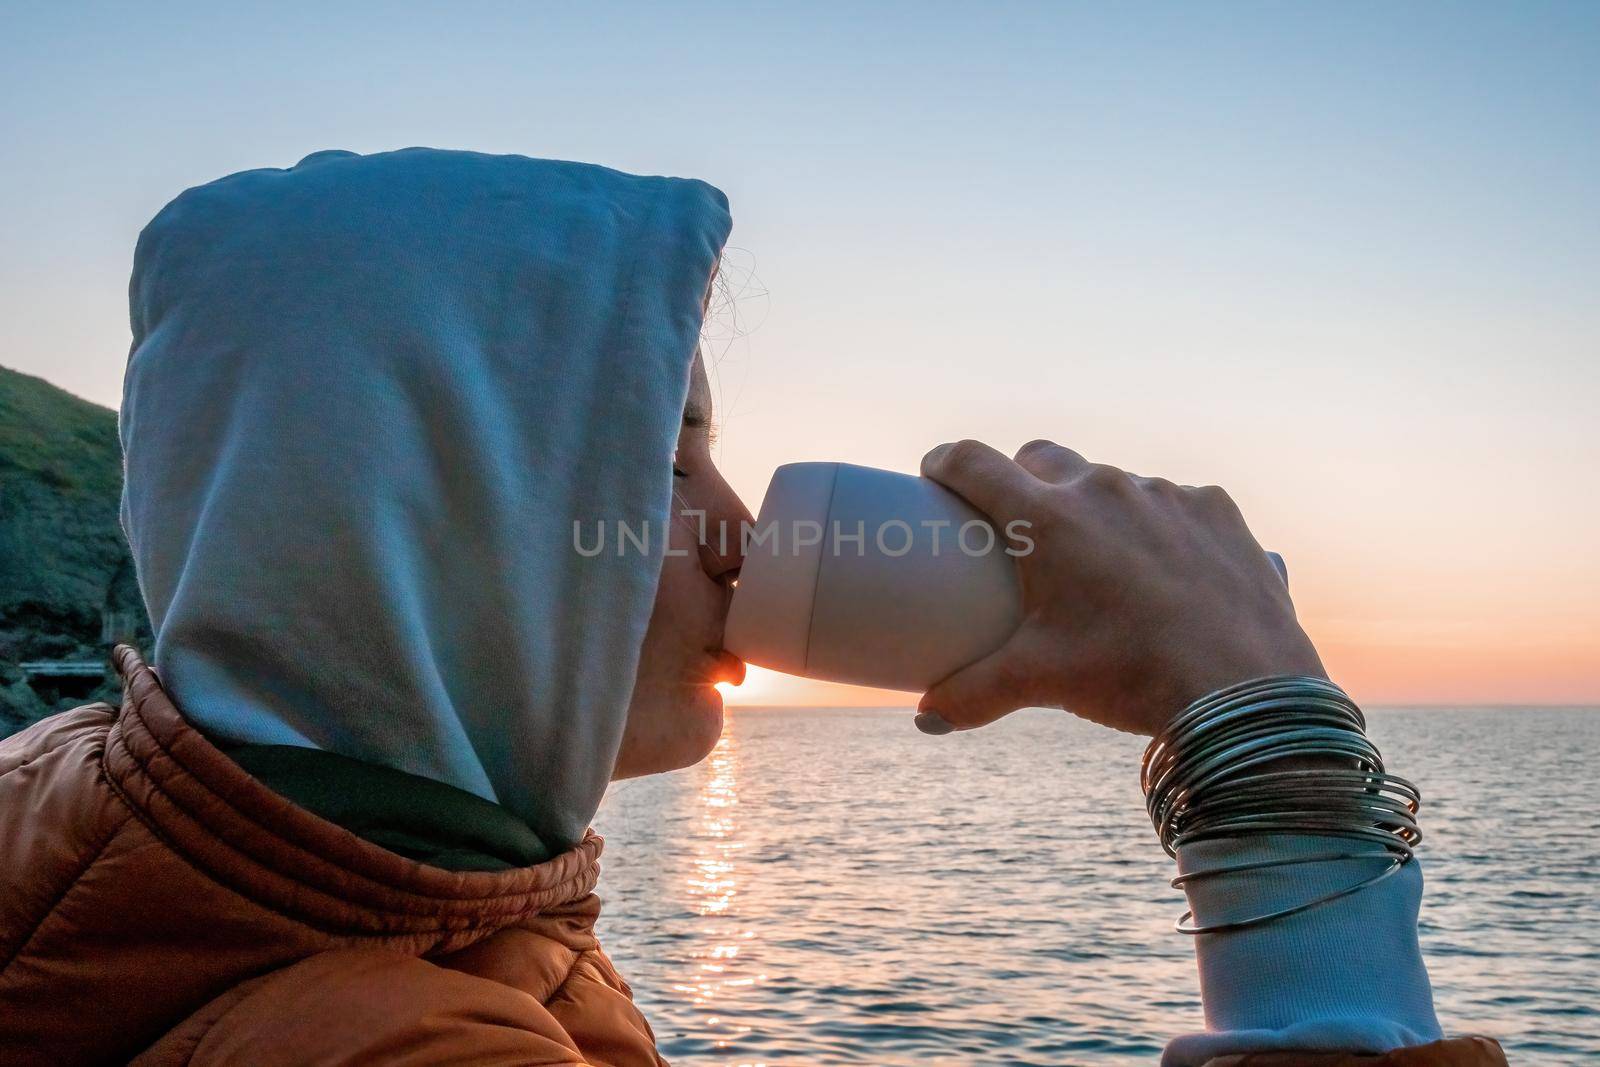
158 905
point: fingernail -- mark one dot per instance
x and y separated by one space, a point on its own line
931 722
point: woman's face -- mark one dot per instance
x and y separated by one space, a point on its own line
675 716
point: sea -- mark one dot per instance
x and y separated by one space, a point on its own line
832 887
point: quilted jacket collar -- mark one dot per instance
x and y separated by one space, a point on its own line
248 837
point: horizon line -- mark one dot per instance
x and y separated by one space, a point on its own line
1385 706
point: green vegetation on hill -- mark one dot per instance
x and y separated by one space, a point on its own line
66 580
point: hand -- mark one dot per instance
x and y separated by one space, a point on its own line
1139 596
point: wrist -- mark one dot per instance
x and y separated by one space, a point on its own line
1196 677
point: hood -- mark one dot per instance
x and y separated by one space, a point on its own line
368 399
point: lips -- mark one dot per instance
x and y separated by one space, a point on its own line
727 667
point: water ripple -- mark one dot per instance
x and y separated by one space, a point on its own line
830 887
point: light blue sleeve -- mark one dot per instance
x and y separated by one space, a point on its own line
1346 975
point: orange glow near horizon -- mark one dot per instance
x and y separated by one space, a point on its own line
764 688
1399 662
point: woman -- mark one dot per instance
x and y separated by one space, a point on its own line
370 402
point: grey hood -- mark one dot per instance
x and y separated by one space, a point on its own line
367 400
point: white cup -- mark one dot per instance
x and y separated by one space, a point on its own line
872 577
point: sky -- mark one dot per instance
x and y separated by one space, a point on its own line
1340 259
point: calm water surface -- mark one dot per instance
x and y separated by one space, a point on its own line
833 887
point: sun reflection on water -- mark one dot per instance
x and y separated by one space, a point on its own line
713 886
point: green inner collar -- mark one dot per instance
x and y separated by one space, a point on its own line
417 817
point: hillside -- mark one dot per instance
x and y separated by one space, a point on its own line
66 580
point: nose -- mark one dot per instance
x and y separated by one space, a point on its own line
722 548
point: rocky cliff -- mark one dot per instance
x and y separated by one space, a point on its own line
67 589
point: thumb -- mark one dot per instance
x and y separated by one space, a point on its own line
979 693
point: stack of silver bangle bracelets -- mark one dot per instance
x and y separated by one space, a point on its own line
1284 755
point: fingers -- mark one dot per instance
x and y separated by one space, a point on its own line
1050 462
981 692
991 482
